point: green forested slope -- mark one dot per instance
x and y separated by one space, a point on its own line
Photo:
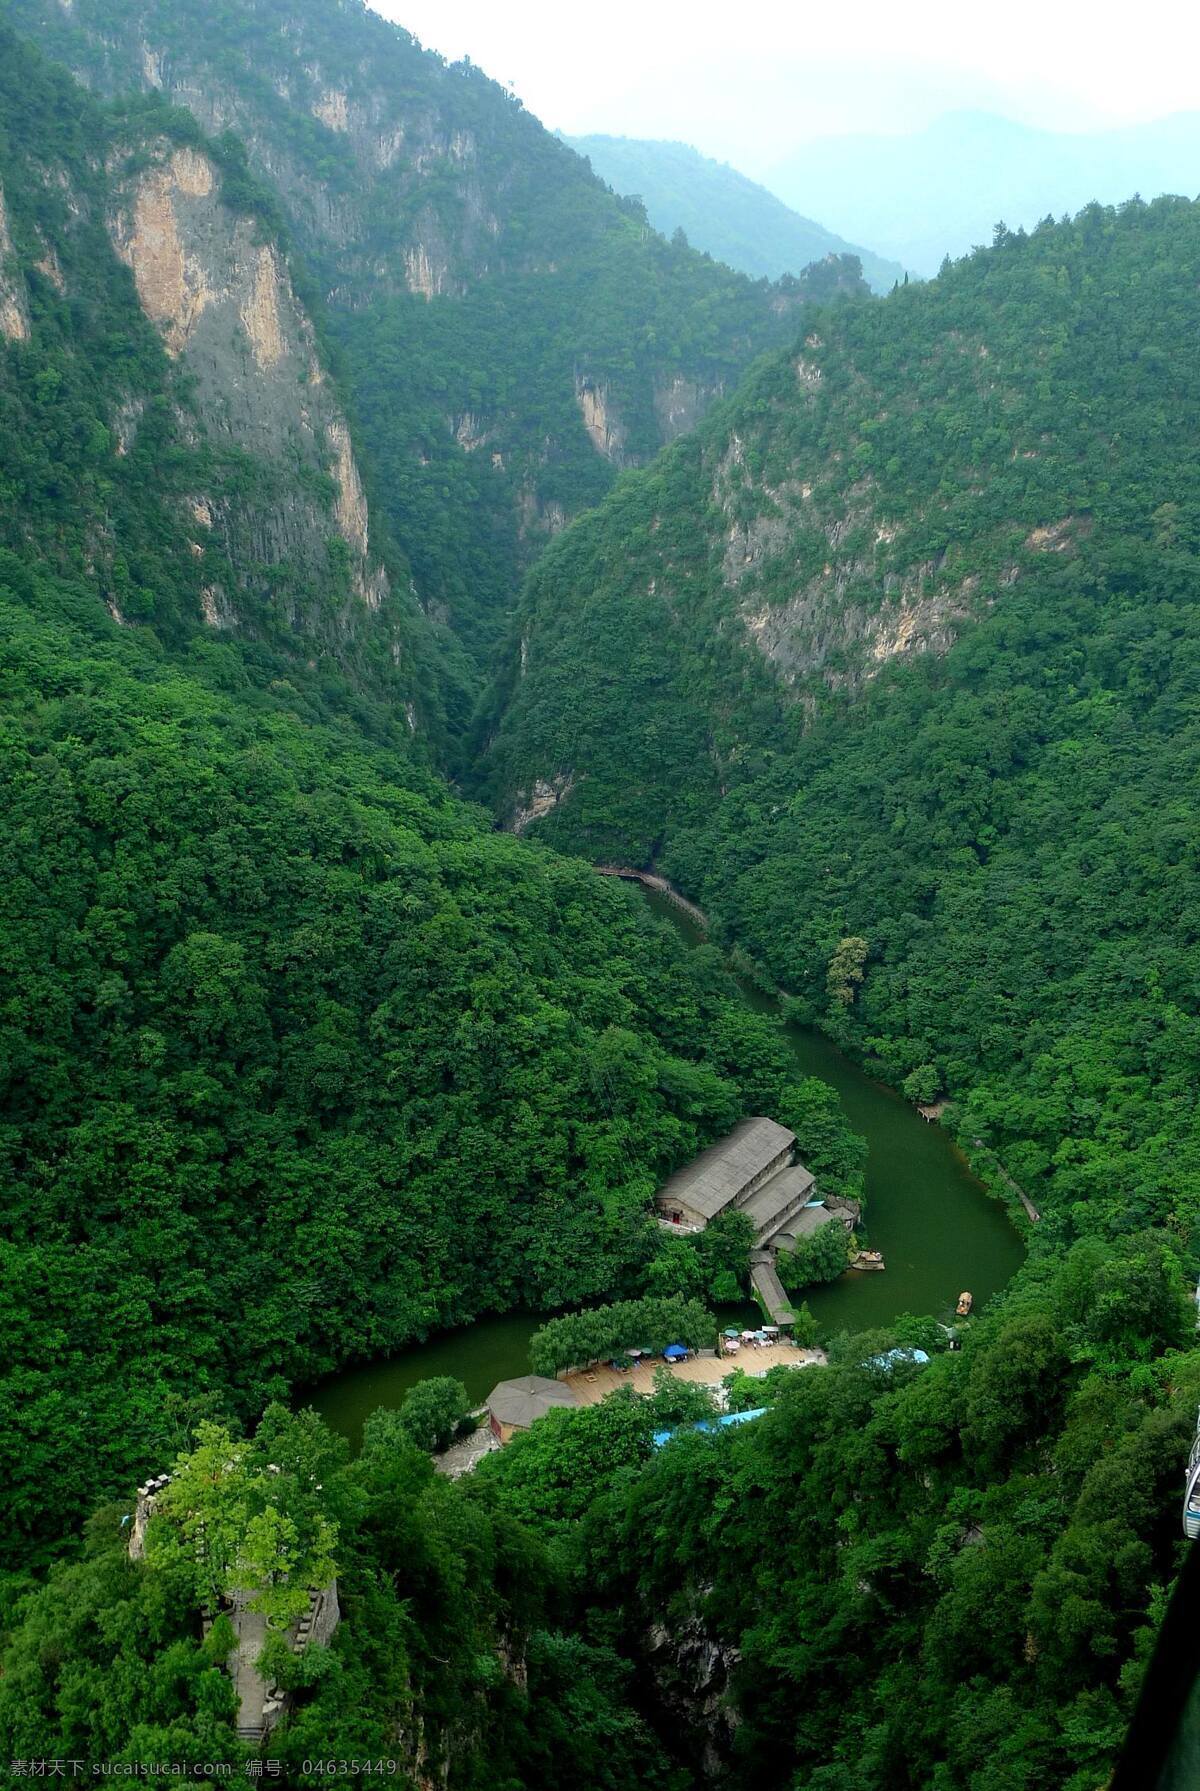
902 1577
299 1059
903 647
457 1643
721 211
484 286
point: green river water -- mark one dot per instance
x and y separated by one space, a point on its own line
938 1229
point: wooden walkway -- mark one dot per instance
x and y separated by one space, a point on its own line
770 1288
591 1385
651 880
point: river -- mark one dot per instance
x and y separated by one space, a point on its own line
938 1228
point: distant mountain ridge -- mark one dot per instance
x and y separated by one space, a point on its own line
722 211
941 190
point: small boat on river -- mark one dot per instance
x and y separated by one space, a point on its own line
965 1303
868 1259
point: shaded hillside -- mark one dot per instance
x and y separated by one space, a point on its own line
513 334
722 212
939 191
901 647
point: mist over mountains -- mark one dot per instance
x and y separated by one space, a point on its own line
941 190
722 211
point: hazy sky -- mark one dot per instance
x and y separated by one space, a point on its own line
745 80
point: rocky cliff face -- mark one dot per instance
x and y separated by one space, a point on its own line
606 432
223 301
14 320
822 581
206 476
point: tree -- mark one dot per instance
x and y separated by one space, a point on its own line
922 1085
433 1411
204 1511
236 1520
821 1257
676 1401
552 1473
845 970
600 1332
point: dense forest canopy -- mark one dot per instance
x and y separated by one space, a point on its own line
891 663
300 1059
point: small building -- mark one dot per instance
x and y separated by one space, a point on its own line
515 1405
727 1174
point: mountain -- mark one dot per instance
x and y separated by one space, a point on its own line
898 648
511 335
720 211
894 667
941 190
893 661
173 434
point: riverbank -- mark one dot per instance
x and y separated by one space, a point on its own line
928 1213
660 886
591 1385
767 993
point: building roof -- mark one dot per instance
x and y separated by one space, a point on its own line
718 1175
770 1289
892 1356
530 1396
777 1195
804 1224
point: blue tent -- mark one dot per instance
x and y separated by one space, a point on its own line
675 1352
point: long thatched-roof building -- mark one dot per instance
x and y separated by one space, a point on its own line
751 1171
726 1174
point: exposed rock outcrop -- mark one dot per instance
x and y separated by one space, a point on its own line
828 591
680 403
692 1673
604 427
224 302
542 800
14 315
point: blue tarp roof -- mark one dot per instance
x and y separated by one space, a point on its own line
892 1356
664 1436
673 1351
